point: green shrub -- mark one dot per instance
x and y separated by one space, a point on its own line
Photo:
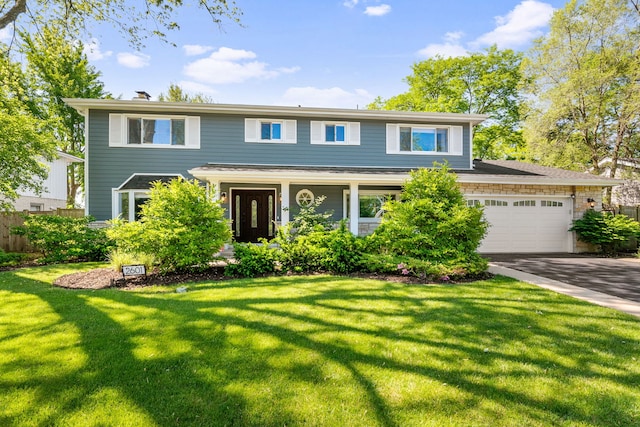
118 258
62 239
180 224
302 253
9 259
431 221
308 220
252 260
344 250
605 230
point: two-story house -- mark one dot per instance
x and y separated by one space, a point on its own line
265 162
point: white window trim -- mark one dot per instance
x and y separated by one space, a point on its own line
118 131
318 131
115 203
454 135
288 131
115 194
346 193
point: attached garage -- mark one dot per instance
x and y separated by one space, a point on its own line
529 207
527 224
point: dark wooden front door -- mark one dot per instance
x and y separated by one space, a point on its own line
253 213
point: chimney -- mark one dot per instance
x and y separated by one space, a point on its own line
142 95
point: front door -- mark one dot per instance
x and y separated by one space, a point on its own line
253 213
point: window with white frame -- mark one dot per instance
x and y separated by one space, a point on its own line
127 200
154 131
370 204
270 131
424 139
335 133
129 204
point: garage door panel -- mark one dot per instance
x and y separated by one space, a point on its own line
528 225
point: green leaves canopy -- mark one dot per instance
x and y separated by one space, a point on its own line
137 21
481 83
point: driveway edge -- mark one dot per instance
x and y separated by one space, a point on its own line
594 297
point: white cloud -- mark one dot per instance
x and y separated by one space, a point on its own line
194 87
334 97
6 34
446 50
227 65
350 3
133 60
519 26
381 10
196 49
93 52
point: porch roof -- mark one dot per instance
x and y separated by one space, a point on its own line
484 171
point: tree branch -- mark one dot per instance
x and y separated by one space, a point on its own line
12 14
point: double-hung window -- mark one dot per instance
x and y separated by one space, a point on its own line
424 139
154 131
270 131
335 133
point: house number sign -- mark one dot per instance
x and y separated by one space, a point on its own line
133 270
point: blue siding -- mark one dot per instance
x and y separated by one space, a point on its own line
222 141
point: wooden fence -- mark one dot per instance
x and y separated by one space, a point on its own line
12 243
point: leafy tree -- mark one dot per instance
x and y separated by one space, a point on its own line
180 224
137 23
481 83
176 94
27 139
584 86
60 69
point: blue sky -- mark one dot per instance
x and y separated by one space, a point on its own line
315 53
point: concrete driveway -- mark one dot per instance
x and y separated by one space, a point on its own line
619 277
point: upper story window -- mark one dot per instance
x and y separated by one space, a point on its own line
335 133
268 130
424 139
154 131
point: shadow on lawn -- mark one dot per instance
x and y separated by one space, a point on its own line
220 359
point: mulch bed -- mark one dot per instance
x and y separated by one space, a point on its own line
103 278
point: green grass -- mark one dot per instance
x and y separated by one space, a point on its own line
314 350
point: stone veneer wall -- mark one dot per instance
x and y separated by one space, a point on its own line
580 204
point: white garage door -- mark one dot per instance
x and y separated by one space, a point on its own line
523 224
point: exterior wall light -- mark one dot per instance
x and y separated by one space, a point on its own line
592 203
223 197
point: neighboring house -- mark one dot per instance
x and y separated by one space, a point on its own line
54 194
265 162
628 193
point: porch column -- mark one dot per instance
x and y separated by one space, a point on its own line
216 190
354 208
284 203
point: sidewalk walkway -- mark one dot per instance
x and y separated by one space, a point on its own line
594 297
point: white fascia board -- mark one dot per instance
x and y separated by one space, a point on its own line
300 176
68 157
536 180
84 105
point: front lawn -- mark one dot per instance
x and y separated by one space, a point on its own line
316 350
